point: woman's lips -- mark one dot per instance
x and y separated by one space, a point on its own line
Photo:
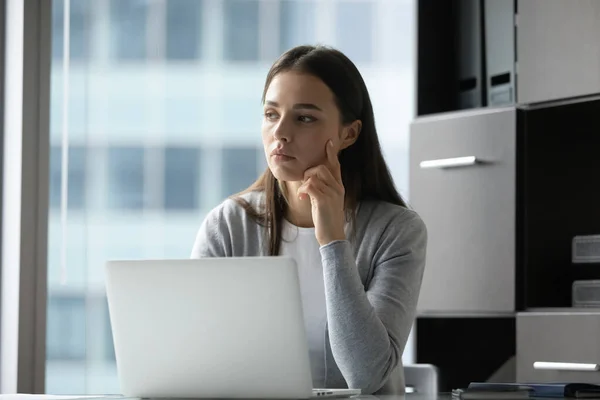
281 158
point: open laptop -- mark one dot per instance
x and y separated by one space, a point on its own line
213 327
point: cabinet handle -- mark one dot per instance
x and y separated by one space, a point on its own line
450 162
563 366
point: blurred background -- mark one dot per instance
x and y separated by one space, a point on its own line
157 110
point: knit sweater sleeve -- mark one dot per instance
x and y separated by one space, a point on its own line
369 327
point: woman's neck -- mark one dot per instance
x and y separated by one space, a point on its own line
299 212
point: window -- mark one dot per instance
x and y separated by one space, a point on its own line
241 30
125 178
79 34
296 23
183 29
239 168
128 29
76 177
355 30
159 138
182 178
65 338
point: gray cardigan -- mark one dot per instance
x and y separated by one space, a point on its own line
372 282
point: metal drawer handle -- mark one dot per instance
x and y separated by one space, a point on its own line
450 162
563 366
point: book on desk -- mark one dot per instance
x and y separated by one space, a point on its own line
515 391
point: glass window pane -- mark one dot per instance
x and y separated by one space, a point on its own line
151 131
183 29
239 168
241 30
354 22
76 177
296 23
78 34
182 178
128 20
66 328
125 178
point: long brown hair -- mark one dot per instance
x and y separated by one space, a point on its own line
365 175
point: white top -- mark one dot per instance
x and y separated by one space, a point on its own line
301 244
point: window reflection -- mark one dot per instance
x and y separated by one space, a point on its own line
354 23
66 328
76 189
183 29
182 178
79 29
297 23
239 165
241 30
128 20
125 178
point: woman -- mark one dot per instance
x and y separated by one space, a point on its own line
327 199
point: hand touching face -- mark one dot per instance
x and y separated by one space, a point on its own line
323 186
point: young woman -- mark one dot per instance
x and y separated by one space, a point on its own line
328 200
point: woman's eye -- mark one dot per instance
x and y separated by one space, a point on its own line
306 119
270 115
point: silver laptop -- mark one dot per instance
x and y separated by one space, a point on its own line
214 327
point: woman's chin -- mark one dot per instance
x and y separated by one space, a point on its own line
286 174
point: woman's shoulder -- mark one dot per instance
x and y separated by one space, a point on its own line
233 208
385 216
387 230
226 230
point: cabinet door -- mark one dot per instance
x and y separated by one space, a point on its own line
558 49
558 346
462 183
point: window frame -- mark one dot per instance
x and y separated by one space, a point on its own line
25 194
2 78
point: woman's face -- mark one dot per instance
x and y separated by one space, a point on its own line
300 116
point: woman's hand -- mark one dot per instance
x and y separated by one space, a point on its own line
323 184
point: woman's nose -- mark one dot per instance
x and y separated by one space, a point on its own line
282 131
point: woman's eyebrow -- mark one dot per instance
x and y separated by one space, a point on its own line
309 106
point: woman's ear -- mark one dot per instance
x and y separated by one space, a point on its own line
350 133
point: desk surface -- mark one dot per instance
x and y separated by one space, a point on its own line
413 396
440 396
